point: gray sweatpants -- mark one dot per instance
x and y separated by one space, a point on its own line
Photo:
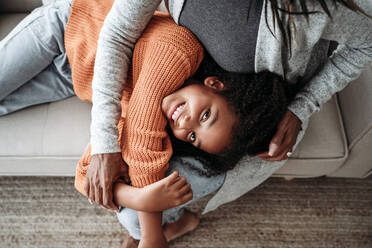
201 186
34 68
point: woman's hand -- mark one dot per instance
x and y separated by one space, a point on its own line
103 171
284 139
169 192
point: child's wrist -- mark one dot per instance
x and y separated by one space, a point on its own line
124 199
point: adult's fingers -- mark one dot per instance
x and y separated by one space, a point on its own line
287 145
264 155
280 157
276 143
86 186
124 173
92 192
277 140
282 149
98 195
108 199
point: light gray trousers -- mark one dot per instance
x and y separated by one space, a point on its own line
33 64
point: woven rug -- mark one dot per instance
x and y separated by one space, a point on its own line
319 212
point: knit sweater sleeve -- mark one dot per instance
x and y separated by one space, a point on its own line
353 32
167 59
122 27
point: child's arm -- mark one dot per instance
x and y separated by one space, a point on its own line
167 193
151 230
154 198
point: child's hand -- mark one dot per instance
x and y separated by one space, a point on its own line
167 193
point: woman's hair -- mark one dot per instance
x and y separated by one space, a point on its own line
258 100
290 8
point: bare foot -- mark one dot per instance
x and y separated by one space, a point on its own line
129 242
187 223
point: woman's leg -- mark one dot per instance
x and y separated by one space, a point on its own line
31 54
201 186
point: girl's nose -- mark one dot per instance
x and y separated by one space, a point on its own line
184 123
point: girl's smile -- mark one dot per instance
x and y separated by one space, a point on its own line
177 111
198 115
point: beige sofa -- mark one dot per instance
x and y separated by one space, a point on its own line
48 139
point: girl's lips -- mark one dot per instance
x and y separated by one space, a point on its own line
173 110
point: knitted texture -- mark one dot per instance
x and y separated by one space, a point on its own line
163 58
81 36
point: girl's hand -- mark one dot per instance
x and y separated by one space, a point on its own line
169 192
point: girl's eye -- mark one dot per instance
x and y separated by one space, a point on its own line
206 115
192 137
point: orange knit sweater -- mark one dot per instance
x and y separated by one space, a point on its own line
163 58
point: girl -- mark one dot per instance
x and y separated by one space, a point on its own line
216 117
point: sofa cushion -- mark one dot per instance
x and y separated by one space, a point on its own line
19 6
356 106
8 22
59 131
324 138
323 148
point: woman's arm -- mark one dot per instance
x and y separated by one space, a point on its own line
353 32
122 27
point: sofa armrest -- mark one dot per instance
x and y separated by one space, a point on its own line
356 109
356 106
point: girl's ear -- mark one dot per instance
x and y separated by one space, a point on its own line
214 83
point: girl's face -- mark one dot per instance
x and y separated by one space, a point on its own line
197 114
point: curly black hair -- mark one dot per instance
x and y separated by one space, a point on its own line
259 100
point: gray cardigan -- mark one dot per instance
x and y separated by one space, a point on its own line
128 18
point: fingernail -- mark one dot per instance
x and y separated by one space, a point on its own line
272 149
